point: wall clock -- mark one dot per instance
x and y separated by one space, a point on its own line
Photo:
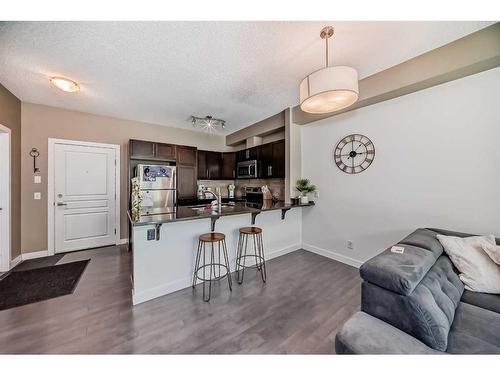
354 153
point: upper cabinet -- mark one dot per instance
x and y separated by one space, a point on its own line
166 151
186 172
248 154
216 165
228 165
271 160
278 164
151 150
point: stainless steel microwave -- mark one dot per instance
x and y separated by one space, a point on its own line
246 169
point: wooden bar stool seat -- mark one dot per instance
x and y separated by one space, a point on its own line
212 237
250 230
255 233
216 266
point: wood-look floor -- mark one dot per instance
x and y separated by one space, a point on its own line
299 310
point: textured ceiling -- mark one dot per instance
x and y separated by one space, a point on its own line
163 72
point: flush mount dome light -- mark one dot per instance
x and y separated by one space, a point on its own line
65 84
329 89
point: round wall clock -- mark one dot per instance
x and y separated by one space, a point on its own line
354 153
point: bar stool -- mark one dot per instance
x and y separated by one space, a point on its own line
214 264
258 255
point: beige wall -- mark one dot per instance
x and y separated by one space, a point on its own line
10 116
42 122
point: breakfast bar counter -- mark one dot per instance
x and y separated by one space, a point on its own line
164 246
204 211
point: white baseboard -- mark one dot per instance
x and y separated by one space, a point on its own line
14 262
179 284
122 241
35 254
332 255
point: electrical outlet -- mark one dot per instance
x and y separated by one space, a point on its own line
151 234
37 179
350 245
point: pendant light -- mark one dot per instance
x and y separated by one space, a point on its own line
329 89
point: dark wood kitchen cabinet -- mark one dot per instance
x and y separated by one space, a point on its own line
202 165
165 151
214 161
272 160
228 165
248 154
141 149
278 166
151 150
187 182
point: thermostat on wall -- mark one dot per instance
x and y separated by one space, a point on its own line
397 249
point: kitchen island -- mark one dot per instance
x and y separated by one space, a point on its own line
164 246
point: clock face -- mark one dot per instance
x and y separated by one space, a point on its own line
354 153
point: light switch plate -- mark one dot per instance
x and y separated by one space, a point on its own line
37 179
37 195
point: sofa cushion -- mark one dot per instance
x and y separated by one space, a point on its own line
401 273
485 300
428 312
474 331
364 334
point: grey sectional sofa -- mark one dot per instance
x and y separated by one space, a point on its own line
415 303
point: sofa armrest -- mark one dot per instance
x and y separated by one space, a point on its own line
365 334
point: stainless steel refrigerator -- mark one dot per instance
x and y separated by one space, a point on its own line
158 189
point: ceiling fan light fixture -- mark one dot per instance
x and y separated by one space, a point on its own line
65 84
331 88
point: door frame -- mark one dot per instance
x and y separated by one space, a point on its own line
52 142
5 196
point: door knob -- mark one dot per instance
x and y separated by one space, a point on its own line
61 204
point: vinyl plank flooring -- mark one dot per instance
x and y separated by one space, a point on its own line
305 301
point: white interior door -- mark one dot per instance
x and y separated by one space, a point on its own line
84 197
5 253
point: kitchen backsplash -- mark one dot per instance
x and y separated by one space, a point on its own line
276 185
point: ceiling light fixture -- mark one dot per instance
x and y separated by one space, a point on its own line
331 88
65 84
208 123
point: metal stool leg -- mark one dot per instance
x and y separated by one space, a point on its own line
196 264
255 251
226 257
244 246
261 253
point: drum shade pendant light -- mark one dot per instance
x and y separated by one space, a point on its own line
329 89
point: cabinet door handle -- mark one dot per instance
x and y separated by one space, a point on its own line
208 173
233 173
270 170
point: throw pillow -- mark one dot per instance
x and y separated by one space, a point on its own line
493 251
477 271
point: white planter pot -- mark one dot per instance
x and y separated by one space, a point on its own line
304 199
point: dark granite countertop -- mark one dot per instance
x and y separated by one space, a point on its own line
185 213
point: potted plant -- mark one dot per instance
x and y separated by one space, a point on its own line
304 187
